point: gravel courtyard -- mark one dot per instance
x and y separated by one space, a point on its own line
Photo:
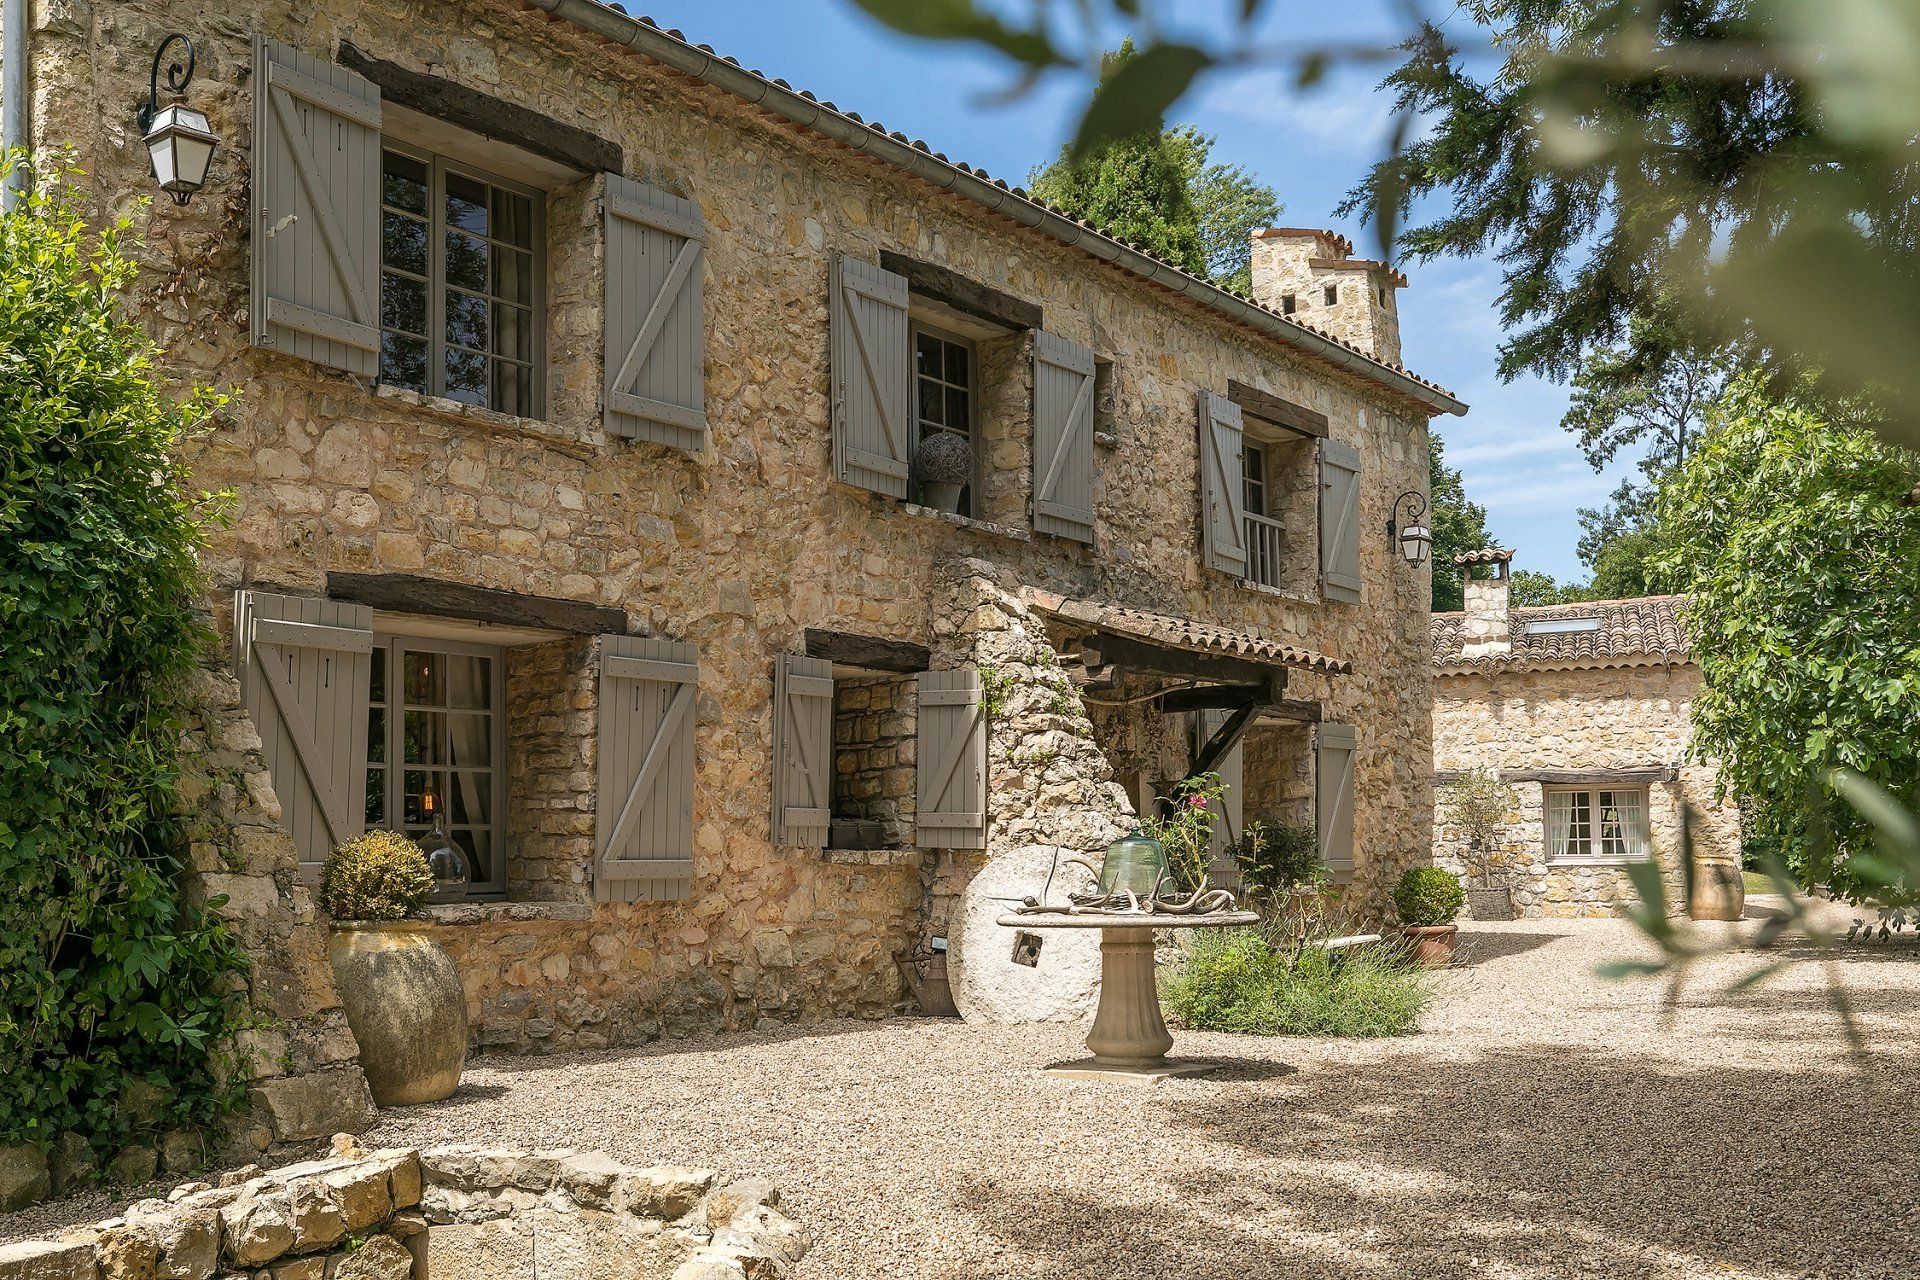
1544 1124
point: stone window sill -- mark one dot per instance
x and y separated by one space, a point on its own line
968 522
1279 593
872 857
470 913
473 415
1555 864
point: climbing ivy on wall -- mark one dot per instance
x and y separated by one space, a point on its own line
109 983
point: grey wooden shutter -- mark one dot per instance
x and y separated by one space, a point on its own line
1223 489
1229 823
656 319
1062 438
304 666
316 210
1333 801
643 803
802 750
951 800
872 376
1339 522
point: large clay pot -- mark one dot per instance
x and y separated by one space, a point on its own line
1432 943
404 1002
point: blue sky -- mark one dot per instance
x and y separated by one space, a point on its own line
1310 146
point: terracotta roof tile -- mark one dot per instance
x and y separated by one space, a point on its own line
1185 633
1643 632
1485 555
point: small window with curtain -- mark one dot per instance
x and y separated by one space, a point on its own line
1599 824
460 283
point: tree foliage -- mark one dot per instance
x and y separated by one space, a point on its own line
1229 203
1798 540
1530 587
1458 525
106 976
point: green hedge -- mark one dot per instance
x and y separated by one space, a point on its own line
1231 980
105 977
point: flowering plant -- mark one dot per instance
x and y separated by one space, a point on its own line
1185 830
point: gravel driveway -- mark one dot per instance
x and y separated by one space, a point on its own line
1544 1124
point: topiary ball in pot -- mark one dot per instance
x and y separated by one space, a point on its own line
943 465
1428 899
400 989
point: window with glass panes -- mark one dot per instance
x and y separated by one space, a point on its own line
1254 465
436 742
1597 824
943 387
460 283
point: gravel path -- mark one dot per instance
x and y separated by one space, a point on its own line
1544 1124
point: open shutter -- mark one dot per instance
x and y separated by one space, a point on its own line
1223 490
1339 522
802 750
1062 438
951 804
655 366
643 804
316 210
872 372
1227 824
1333 807
304 666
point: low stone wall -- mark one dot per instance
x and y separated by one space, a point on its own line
450 1213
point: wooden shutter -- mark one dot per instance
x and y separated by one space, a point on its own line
316 210
1223 489
656 320
1228 824
1339 522
643 804
802 750
872 376
304 666
1333 807
951 804
1062 438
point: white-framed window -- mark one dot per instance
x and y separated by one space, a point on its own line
944 396
436 746
462 282
1597 824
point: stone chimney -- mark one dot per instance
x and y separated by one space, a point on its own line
1487 629
1314 277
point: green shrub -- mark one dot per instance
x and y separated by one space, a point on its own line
1428 896
1276 856
1231 980
110 985
381 875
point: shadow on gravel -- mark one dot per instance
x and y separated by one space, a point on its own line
1532 1163
1474 948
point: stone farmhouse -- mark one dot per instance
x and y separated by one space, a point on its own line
580 376
1585 710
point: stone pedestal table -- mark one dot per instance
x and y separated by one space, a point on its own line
1129 1038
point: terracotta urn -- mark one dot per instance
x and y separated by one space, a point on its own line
405 1005
1432 943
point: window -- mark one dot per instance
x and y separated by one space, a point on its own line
1255 466
460 283
943 391
1288 304
1332 294
1561 626
1382 291
1597 825
435 719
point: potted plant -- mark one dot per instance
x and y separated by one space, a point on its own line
943 464
399 987
1428 899
1479 804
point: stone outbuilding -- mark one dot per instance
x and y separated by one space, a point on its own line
1584 711
581 514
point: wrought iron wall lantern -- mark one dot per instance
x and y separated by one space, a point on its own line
180 140
1415 538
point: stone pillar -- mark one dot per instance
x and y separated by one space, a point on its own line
1488 628
1295 268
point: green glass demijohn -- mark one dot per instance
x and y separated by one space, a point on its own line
1134 864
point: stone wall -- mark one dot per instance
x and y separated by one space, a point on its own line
1303 264
874 746
455 1213
1592 719
551 723
1277 775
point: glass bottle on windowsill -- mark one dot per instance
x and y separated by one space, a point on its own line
451 874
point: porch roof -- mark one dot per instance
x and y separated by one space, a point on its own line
1169 632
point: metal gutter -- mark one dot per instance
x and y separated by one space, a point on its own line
808 112
13 96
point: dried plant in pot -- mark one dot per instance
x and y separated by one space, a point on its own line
943 467
1428 900
1479 804
400 989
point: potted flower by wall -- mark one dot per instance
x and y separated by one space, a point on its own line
1479 804
943 464
1428 899
399 987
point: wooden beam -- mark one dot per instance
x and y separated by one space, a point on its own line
1137 657
437 598
1225 738
1592 777
1295 711
1216 696
1281 413
867 651
975 299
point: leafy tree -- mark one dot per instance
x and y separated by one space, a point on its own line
1458 525
106 975
1230 204
1797 539
1531 587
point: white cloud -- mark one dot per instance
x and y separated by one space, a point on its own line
1342 111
